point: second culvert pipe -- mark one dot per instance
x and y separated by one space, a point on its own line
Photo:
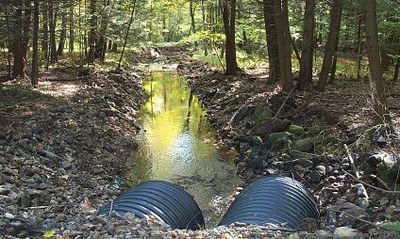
277 201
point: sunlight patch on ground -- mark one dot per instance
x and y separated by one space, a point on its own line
59 89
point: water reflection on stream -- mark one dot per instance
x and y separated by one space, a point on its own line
177 144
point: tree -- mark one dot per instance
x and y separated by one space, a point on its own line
272 40
307 48
283 36
375 66
19 45
228 8
35 54
334 28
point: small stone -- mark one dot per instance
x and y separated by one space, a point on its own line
322 234
315 177
321 169
344 233
296 130
304 145
9 216
294 236
66 165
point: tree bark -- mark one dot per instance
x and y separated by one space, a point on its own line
396 68
375 66
334 28
63 34
228 8
307 48
71 28
92 31
45 32
285 58
21 38
35 54
191 12
52 28
272 41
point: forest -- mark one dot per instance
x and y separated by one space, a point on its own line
306 89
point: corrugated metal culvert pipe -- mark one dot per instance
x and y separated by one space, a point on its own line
278 201
168 202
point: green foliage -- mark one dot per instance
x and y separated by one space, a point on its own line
49 233
205 36
391 226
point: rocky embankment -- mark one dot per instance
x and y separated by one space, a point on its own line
275 136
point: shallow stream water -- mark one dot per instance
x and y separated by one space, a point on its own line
177 144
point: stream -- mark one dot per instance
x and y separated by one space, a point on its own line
178 144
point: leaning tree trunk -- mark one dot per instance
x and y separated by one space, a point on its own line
375 66
127 34
228 8
307 48
285 58
334 28
35 47
272 41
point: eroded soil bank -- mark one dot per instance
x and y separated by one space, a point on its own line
62 146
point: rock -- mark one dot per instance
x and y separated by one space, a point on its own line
315 176
322 234
267 126
304 145
239 115
256 163
344 233
321 169
381 141
314 130
264 115
296 130
279 140
65 164
9 216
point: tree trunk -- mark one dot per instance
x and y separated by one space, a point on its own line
35 54
45 32
334 28
272 41
52 28
192 21
359 44
71 27
63 34
334 59
21 38
127 34
92 31
375 67
307 48
285 58
396 68
228 8
101 43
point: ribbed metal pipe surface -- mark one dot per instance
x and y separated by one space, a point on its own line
168 202
279 201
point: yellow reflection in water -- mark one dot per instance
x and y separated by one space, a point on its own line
177 143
